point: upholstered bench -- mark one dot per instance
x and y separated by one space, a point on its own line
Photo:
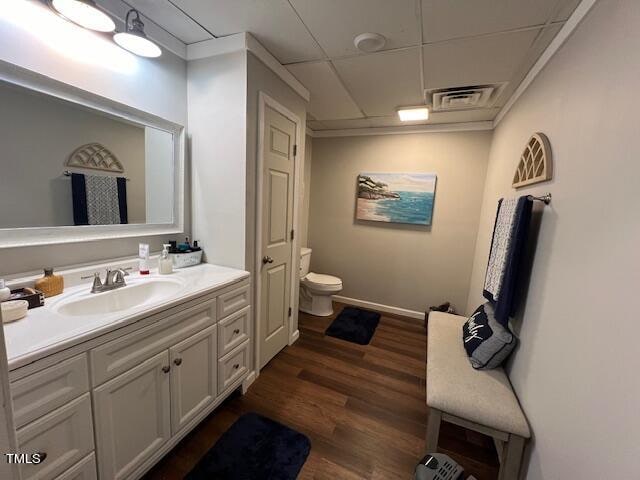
481 400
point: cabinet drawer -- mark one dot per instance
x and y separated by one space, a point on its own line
64 435
233 301
233 366
53 387
233 330
85 469
122 354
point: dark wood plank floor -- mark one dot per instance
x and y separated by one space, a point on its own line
363 407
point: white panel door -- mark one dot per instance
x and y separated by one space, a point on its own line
194 364
277 224
131 414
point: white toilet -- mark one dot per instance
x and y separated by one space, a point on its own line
316 289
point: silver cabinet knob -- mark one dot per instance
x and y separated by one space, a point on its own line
267 259
177 361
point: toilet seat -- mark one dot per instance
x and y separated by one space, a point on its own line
322 283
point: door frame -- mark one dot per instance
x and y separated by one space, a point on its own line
264 101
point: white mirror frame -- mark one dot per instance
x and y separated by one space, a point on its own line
31 236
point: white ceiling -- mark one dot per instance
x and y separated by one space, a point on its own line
430 44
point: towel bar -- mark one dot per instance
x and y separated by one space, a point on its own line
544 198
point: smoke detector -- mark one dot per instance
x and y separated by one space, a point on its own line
369 42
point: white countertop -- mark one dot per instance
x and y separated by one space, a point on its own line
44 331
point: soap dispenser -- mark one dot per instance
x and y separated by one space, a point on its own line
165 264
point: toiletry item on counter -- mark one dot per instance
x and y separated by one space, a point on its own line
5 293
184 254
165 264
14 310
33 297
51 285
143 254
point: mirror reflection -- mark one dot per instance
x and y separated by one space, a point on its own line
64 164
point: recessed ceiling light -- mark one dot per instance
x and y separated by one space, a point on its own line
84 13
413 114
134 39
369 42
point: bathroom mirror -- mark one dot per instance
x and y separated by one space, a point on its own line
72 171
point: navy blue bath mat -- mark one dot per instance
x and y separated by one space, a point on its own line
255 447
354 325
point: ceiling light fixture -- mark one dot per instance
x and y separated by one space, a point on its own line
413 114
369 42
84 13
134 39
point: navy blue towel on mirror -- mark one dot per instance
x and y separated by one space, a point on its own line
354 325
510 234
254 447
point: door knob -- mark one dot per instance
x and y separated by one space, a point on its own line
267 259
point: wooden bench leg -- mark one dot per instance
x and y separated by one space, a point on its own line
512 457
433 430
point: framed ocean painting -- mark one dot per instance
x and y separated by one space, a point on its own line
396 197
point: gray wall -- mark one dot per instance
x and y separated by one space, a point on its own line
37 134
144 87
404 266
576 371
306 192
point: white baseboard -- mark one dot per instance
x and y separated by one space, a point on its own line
380 307
294 337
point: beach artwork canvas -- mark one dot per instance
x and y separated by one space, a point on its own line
396 197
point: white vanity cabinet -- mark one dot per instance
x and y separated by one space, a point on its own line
133 394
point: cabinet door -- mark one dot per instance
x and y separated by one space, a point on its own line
193 376
132 417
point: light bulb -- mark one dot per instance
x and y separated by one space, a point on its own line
137 44
84 13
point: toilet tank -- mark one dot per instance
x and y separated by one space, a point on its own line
305 261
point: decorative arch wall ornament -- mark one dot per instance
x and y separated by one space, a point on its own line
536 163
95 157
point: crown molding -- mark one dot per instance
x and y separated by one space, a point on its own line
405 129
310 132
565 32
247 42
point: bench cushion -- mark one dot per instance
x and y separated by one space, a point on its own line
453 386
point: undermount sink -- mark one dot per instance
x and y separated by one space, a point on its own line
143 292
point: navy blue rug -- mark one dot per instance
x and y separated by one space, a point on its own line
255 447
354 325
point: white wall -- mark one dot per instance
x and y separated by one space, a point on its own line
34 38
576 371
217 134
405 266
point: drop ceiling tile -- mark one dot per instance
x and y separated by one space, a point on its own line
447 19
566 8
381 82
541 43
463 116
274 23
329 98
476 61
345 124
335 23
170 18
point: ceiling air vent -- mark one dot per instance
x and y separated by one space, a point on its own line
463 98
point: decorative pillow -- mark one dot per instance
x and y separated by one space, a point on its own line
486 341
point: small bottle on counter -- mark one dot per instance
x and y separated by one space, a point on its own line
165 264
51 285
5 292
143 258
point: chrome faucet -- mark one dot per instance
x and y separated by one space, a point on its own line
113 279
